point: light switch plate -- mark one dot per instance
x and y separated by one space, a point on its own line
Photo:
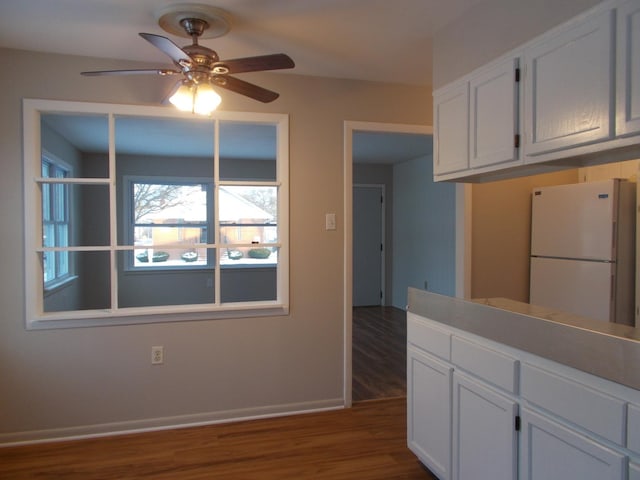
330 221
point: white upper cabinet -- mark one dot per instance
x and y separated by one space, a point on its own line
494 115
569 86
451 133
628 68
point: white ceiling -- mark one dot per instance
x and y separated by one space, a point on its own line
378 40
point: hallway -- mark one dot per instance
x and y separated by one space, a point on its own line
379 353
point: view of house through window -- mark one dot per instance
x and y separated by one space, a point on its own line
170 222
148 209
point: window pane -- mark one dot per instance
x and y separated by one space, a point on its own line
155 203
83 222
154 287
189 255
248 151
248 214
80 140
248 284
88 289
140 140
234 256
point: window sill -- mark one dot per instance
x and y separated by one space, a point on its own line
57 285
161 314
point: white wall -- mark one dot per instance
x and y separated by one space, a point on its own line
423 231
59 382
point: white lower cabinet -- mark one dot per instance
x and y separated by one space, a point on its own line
429 411
551 451
480 410
484 434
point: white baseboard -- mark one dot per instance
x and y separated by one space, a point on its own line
165 423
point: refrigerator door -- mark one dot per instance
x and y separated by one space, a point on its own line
574 221
574 286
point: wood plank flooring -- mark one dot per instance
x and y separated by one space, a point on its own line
379 353
366 442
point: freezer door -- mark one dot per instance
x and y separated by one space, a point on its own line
574 221
580 287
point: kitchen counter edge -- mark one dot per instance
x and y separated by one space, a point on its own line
607 350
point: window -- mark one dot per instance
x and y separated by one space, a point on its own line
169 219
55 223
157 215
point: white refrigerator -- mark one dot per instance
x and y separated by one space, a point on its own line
583 249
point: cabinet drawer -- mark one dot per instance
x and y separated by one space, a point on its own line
633 428
430 339
577 403
491 366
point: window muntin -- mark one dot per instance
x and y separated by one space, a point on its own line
116 294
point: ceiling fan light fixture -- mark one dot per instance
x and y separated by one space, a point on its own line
182 98
199 98
206 99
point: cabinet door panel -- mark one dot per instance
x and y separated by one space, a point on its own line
429 411
484 434
634 471
451 133
550 451
494 115
569 87
628 74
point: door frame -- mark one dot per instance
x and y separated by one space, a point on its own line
383 232
463 234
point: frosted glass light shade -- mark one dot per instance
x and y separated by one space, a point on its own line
206 99
182 99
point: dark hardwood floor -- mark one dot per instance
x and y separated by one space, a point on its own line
366 442
379 353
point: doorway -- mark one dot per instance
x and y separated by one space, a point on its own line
384 144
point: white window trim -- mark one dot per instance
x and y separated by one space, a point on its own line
36 318
61 281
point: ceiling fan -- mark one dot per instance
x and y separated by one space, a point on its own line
200 67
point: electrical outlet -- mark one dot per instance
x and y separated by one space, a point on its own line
157 355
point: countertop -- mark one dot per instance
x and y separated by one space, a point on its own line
608 350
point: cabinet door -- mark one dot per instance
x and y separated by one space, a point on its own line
551 451
494 115
429 411
569 87
451 132
628 65
484 434
634 471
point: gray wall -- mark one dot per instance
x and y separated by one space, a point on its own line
74 381
494 27
423 231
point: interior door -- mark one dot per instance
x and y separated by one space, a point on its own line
367 244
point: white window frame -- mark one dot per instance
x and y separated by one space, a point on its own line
36 318
128 181
60 280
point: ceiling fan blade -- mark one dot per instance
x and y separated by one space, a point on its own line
245 88
176 54
277 61
157 71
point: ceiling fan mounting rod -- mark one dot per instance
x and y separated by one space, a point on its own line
194 27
